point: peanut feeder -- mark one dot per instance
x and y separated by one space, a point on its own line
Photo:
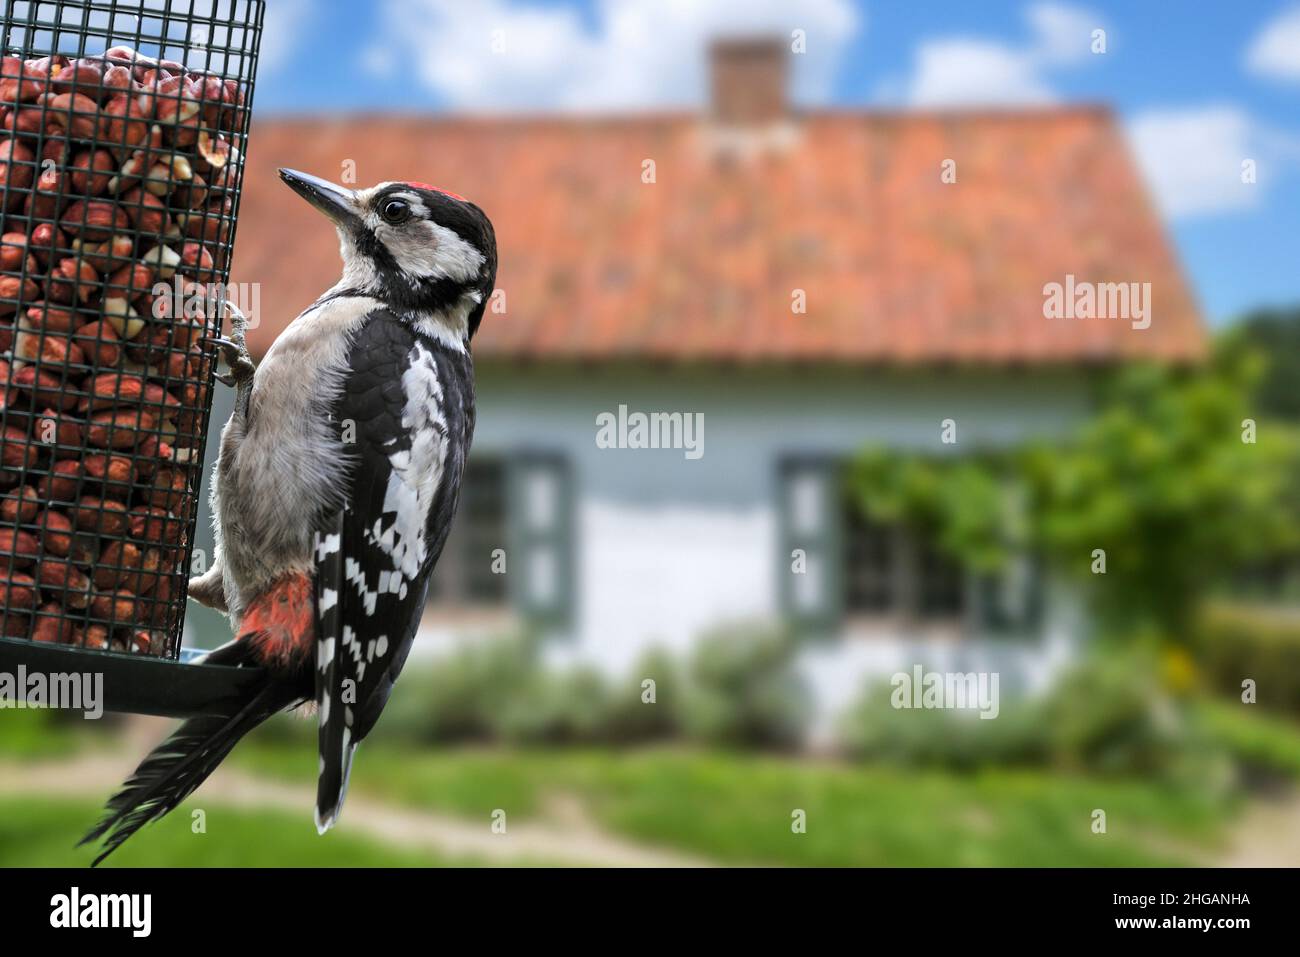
121 159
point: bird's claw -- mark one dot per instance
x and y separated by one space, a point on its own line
234 351
237 358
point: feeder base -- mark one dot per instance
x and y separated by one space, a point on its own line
135 684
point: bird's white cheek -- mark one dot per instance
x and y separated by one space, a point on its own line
427 250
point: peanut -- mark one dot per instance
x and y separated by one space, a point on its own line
117 173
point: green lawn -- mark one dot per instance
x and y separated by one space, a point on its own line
728 807
38 733
737 808
43 834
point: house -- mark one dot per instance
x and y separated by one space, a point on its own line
787 285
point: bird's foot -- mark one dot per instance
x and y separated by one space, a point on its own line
234 351
209 590
237 359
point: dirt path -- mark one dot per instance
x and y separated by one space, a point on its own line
1267 835
570 840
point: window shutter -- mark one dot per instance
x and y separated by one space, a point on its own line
465 575
1010 604
810 519
541 554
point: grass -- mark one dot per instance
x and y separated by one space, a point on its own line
737 808
729 807
44 834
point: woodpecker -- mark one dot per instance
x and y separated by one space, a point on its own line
337 479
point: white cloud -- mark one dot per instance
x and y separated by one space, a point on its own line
1275 53
974 71
627 54
283 26
960 72
1062 35
1192 158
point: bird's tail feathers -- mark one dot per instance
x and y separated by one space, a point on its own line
332 787
334 713
175 768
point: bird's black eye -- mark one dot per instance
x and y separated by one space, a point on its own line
395 212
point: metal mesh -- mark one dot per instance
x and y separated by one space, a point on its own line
123 128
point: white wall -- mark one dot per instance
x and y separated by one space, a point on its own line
667 547
664 573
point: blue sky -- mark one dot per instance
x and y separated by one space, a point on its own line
1199 86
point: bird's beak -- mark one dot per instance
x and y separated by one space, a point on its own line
334 201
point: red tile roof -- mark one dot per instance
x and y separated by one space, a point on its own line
897 266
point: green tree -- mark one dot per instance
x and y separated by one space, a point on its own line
1160 477
1274 334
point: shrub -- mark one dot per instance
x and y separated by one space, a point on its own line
1107 714
1265 746
553 707
875 730
460 697
1236 642
741 690
45 732
1110 714
629 718
499 690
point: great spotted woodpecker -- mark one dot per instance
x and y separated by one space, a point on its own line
337 480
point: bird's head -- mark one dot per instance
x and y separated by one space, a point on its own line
420 250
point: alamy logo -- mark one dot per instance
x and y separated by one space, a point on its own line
132 911
73 691
651 430
946 690
183 298
1098 300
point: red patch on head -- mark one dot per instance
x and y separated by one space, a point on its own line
436 189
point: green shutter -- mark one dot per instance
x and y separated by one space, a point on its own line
541 534
809 506
1010 603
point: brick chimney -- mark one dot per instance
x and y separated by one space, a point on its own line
749 80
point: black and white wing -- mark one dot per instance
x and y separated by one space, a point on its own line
405 415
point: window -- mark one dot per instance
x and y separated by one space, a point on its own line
465 577
1011 602
837 563
810 535
511 545
541 539
871 561
889 570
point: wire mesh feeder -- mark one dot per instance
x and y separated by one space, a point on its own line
123 126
